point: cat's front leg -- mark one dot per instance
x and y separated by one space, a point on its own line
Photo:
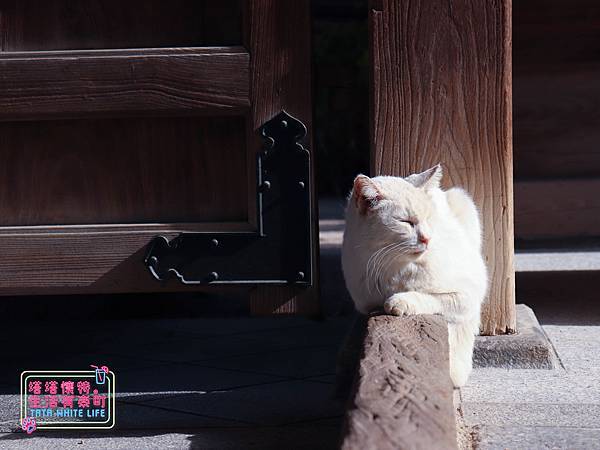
411 303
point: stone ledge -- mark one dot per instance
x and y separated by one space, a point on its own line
402 395
529 348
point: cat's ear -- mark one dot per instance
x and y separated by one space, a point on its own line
429 179
365 193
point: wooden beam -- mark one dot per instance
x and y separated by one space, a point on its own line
403 393
557 209
40 85
441 92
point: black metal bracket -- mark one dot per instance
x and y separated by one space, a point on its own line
280 251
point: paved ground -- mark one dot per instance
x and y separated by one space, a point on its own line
192 383
540 409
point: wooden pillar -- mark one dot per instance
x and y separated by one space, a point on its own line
441 92
277 36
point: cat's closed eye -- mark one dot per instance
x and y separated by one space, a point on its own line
408 221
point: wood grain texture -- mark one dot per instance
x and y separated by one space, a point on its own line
103 171
129 181
441 92
403 393
277 35
72 84
557 209
79 260
30 25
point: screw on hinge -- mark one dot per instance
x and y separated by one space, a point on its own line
284 123
214 242
301 184
213 276
300 275
266 185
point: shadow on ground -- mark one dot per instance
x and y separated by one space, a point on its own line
264 438
214 380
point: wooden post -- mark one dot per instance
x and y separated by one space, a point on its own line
277 36
441 92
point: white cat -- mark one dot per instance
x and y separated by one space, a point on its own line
416 249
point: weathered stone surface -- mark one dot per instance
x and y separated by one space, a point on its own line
526 414
519 437
529 348
402 394
535 409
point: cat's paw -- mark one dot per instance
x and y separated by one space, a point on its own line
403 304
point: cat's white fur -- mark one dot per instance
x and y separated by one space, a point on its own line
413 248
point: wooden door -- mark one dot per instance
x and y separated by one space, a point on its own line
124 121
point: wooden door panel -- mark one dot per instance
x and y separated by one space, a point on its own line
123 171
117 82
124 121
33 25
92 259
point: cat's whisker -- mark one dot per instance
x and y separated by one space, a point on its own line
380 271
372 263
380 264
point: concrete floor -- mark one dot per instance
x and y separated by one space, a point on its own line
541 409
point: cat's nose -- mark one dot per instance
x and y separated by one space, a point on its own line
424 240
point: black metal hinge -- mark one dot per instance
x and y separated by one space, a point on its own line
280 251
